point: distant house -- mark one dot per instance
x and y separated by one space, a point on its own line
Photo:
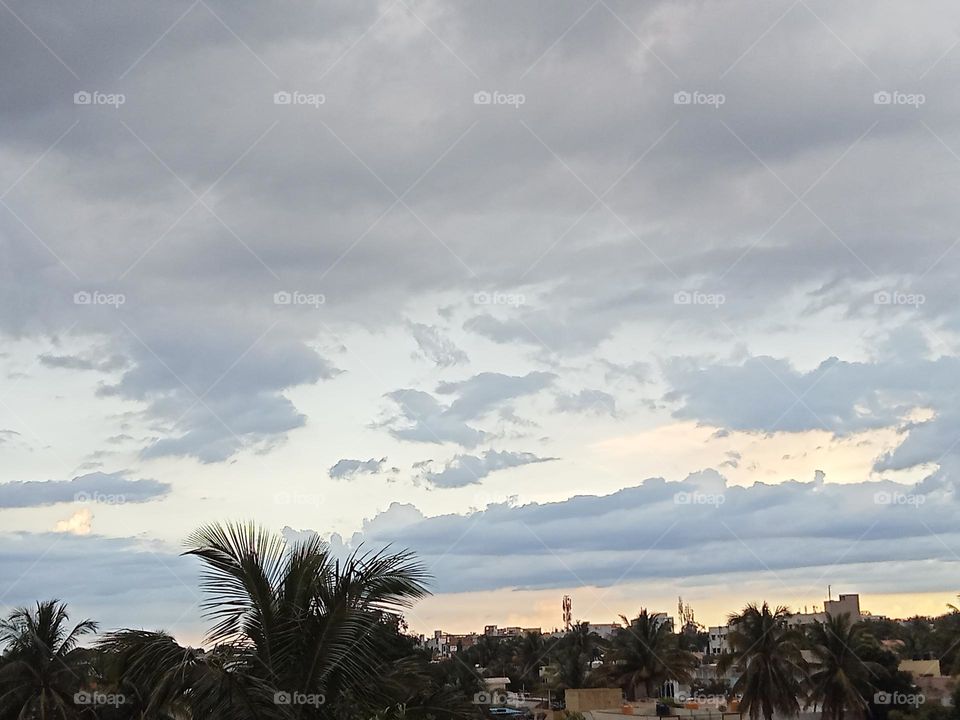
717 643
496 683
921 668
508 632
444 645
845 604
605 630
929 680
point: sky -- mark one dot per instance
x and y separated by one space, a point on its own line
626 301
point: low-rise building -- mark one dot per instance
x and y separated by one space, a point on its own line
717 643
848 604
663 618
507 632
605 630
444 645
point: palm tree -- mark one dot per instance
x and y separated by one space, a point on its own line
842 681
295 633
529 654
43 666
646 652
486 650
571 657
766 654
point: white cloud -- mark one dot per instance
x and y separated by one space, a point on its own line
77 524
436 347
588 402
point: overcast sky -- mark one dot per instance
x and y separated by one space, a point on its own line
622 300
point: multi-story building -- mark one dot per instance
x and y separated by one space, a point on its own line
662 617
847 603
605 630
444 645
507 632
718 637
717 643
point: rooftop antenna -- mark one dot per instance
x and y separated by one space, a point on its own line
829 592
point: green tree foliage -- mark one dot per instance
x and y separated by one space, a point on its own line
766 655
43 668
645 653
843 680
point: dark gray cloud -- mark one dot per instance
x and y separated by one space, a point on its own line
465 470
765 394
216 395
423 418
346 469
606 214
121 582
488 391
697 528
76 362
420 418
303 198
113 488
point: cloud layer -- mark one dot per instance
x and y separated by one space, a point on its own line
114 488
679 531
472 469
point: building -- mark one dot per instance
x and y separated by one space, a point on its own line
661 618
605 630
848 603
718 637
929 680
444 645
717 643
508 632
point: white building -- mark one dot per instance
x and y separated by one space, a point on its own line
849 604
717 643
718 637
661 618
605 630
